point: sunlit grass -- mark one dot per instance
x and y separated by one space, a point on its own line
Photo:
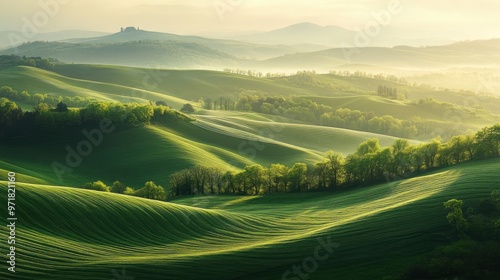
82 234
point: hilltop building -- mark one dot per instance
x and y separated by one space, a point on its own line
129 29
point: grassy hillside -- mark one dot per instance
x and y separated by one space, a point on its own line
316 139
187 84
407 110
36 80
378 229
141 154
142 84
227 140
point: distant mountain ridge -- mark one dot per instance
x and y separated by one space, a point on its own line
231 47
301 33
478 53
134 47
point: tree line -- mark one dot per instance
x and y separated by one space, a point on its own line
391 92
311 112
149 191
370 164
49 99
46 120
8 61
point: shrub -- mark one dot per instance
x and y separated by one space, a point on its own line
188 109
96 186
129 191
151 191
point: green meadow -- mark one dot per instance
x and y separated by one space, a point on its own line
68 233
364 228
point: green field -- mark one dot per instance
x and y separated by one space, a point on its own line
67 232
137 155
228 141
379 229
285 131
177 87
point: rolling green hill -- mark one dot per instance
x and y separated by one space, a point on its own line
374 230
187 84
227 140
102 81
36 80
286 132
177 87
149 153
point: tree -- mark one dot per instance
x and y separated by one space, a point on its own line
458 148
276 175
10 115
255 176
489 141
241 181
129 191
384 165
321 170
335 166
198 177
187 108
151 191
61 107
401 161
369 146
117 187
181 183
429 152
97 186
41 108
38 98
296 176
161 103
455 216
230 182
214 179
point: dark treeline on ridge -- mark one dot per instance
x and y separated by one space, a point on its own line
49 99
8 61
370 164
46 120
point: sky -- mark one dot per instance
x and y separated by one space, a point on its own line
453 19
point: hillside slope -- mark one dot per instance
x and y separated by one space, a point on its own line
141 154
238 237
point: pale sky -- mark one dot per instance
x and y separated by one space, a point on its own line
454 19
